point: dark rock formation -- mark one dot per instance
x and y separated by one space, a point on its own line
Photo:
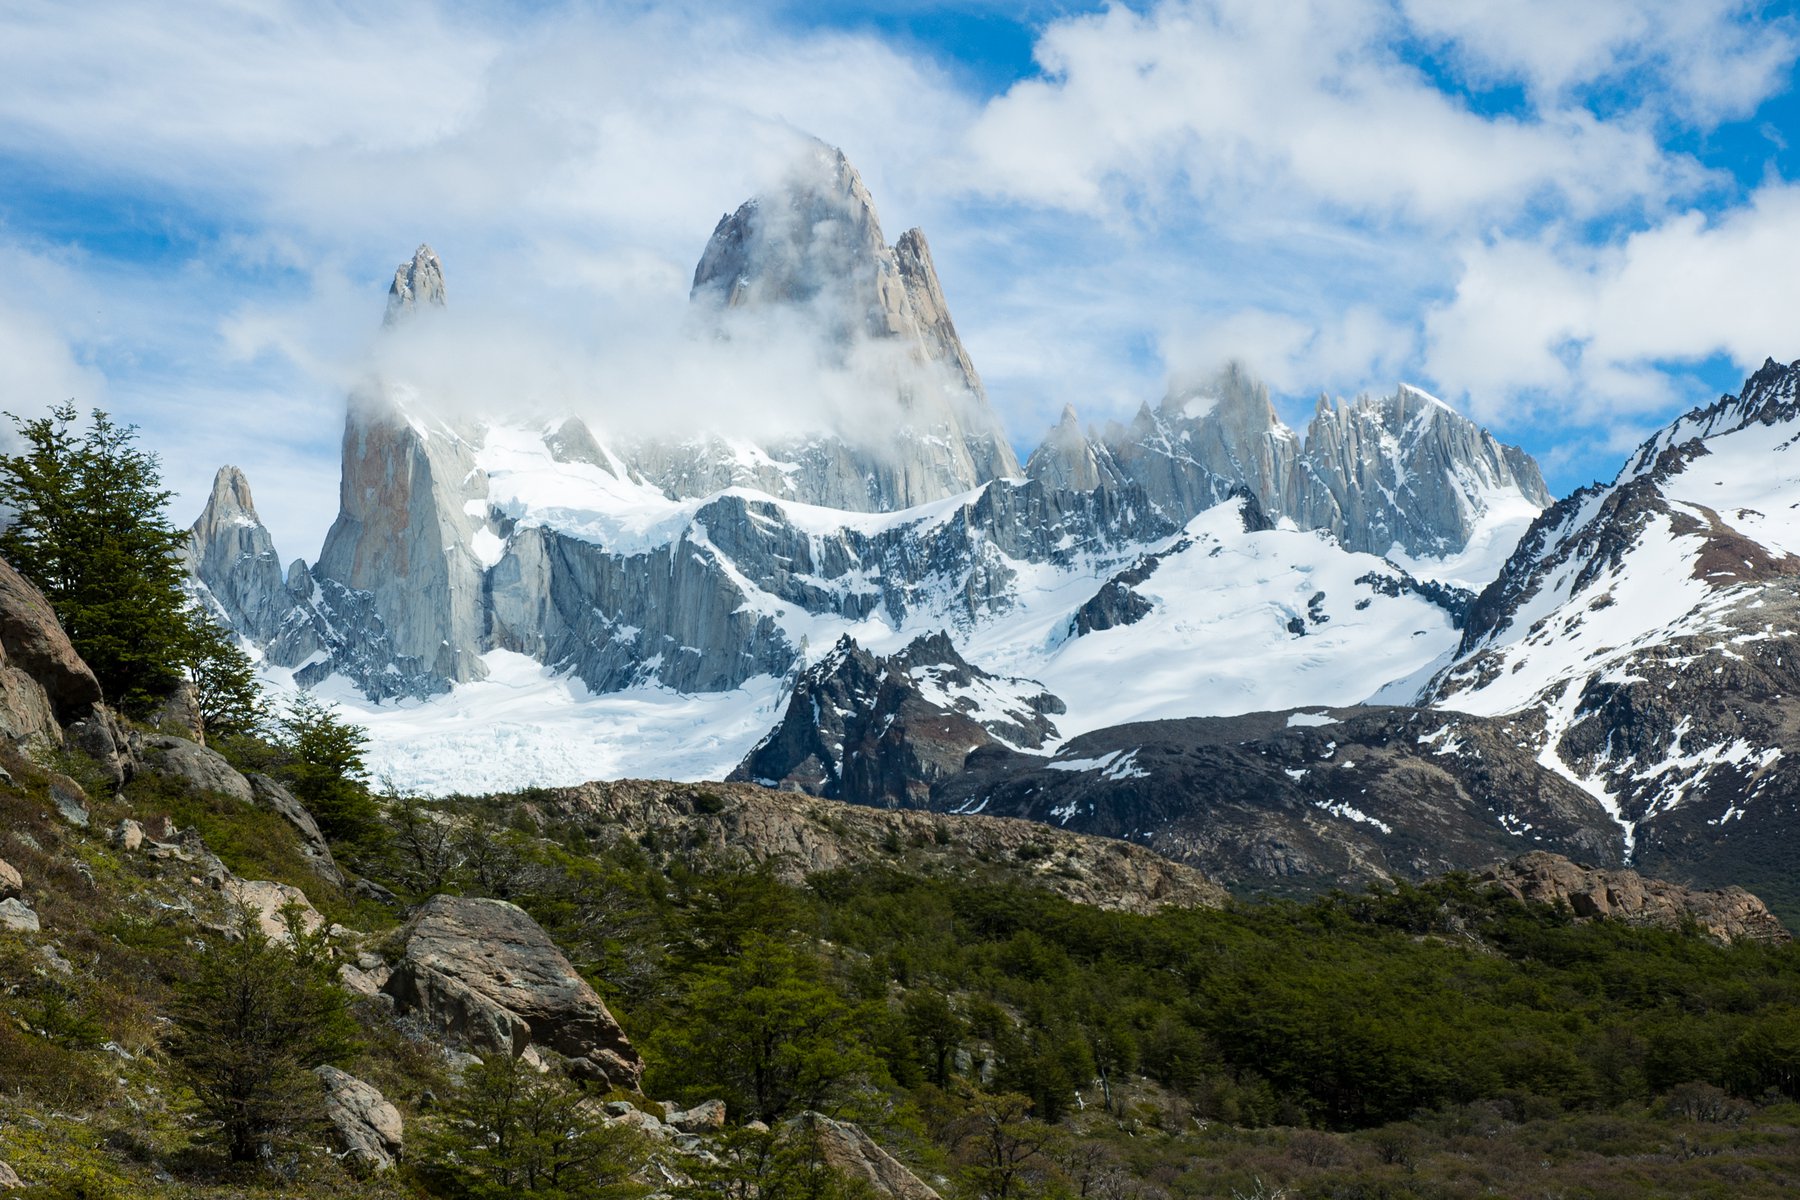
882 731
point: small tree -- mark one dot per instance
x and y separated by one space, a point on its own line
253 1018
224 681
89 529
324 767
766 1033
510 1131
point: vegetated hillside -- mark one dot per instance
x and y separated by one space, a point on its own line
1000 1038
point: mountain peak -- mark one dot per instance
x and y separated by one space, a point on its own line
230 502
418 283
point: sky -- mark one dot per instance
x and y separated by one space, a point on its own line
1571 221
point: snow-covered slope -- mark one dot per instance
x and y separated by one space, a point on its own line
1646 626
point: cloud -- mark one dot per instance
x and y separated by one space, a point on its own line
1302 185
1241 103
1701 61
1540 326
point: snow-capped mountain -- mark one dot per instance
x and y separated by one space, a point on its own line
1646 627
1204 559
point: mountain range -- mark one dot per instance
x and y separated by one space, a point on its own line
1373 648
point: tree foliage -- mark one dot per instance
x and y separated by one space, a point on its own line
510 1131
89 528
253 1019
323 764
229 699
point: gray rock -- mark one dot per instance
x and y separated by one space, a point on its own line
9 1178
17 917
12 884
70 801
128 835
231 552
707 1117
103 737
269 794
1070 460
197 766
369 1128
483 972
269 902
418 285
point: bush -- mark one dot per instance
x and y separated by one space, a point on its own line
253 1020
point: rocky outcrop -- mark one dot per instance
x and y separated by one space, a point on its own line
43 682
1069 459
369 1128
418 284
881 731
196 766
1729 914
483 974
797 835
854 1154
9 1178
12 884
404 533
231 552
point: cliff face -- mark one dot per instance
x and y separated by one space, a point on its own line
1402 471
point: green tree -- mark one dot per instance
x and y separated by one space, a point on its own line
253 1018
224 681
90 530
510 1131
762 1164
765 1031
324 767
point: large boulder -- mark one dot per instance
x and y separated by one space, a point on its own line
197 766
482 973
12 884
33 642
272 795
1620 895
369 1128
854 1154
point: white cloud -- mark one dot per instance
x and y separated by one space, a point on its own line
1594 333
1701 60
1246 104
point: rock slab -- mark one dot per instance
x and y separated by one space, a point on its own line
369 1127
484 973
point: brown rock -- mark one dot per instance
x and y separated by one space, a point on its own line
483 972
33 642
1622 895
11 882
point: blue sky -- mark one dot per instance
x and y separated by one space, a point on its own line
1570 220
